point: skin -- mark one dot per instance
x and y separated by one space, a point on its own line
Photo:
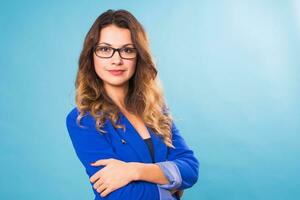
112 176
115 86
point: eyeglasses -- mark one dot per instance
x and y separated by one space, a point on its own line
103 51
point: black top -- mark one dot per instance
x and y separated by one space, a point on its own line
149 143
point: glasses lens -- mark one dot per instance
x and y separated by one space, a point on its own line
128 52
104 51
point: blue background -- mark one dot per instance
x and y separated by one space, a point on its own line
231 75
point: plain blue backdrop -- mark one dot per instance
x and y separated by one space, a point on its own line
231 76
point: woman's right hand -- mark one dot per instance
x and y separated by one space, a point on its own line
177 193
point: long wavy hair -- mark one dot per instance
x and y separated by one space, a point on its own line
145 95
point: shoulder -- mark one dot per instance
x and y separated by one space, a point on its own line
86 120
72 114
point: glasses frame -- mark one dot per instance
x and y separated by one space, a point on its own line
114 50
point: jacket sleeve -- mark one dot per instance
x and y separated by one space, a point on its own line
172 173
184 159
90 146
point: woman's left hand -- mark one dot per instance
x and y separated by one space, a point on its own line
114 175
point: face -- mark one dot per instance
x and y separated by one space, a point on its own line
115 37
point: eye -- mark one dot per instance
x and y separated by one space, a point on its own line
104 48
129 50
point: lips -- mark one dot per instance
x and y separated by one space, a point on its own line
116 72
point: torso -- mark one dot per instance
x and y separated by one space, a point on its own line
138 124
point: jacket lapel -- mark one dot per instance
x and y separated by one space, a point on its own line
136 142
160 148
138 145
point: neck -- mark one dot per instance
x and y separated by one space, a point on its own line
117 94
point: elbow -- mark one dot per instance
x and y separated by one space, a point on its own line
195 177
190 175
195 173
189 181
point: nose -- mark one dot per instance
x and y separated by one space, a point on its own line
116 58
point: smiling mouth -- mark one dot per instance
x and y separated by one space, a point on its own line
116 72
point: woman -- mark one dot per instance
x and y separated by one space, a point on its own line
121 129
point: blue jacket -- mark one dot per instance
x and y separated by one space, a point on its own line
90 146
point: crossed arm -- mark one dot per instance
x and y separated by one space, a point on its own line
140 180
112 176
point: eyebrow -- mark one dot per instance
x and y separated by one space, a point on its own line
111 45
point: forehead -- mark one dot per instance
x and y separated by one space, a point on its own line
115 36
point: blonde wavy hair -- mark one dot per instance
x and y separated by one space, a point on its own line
145 95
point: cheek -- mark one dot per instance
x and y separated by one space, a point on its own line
131 67
100 67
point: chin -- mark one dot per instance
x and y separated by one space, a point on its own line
117 83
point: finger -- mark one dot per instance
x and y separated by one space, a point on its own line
106 192
101 162
95 177
98 162
101 188
173 191
98 183
180 192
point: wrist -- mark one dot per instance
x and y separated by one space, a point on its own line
136 170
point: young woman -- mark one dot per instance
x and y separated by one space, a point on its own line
121 128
